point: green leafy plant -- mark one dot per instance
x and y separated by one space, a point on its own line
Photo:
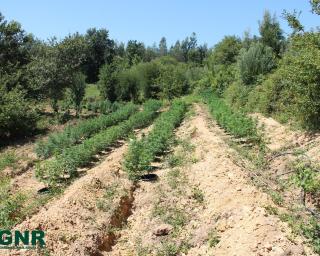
142 152
63 167
234 122
57 142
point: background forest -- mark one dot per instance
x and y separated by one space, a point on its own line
271 73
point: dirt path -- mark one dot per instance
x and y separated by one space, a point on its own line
204 206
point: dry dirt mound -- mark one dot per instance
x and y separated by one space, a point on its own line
206 206
280 137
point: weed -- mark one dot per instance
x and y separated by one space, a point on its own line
197 195
8 159
276 198
271 210
172 249
105 203
213 238
171 215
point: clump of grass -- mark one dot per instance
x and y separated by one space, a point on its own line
175 160
8 159
11 211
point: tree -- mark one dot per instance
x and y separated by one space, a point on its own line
101 50
271 33
226 51
176 51
53 65
257 60
77 90
17 117
108 78
297 80
135 52
163 50
315 5
187 45
293 21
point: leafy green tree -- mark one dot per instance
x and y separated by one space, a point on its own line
315 5
172 80
225 52
271 33
163 50
120 50
293 21
151 53
257 60
16 114
188 45
101 50
53 65
108 78
135 52
77 89
176 51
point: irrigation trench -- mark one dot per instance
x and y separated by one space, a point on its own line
205 205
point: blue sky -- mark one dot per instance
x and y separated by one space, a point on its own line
148 21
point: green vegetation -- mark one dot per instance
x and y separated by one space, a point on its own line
74 134
142 152
213 238
235 122
306 177
7 159
92 92
63 167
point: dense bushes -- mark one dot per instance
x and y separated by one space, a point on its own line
164 77
73 134
142 152
64 166
298 80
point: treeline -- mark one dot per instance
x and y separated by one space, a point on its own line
34 72
270 73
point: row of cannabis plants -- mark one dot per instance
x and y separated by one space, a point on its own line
234 122
142 152
63 167
74 134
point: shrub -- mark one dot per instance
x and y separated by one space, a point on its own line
17 118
